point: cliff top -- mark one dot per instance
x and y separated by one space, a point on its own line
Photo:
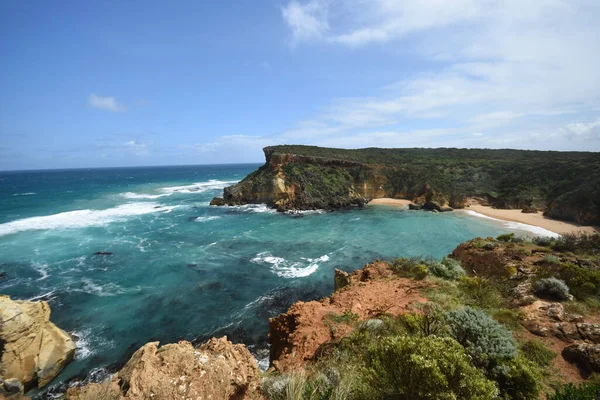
396 156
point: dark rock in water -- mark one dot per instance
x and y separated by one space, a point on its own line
157 206
3 275
103 253
209 286
414 206
299 216
192 218
217 201
191 265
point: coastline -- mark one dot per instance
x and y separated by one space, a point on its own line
535 220
386 201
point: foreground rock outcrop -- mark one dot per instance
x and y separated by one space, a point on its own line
297 335
33 349
217 369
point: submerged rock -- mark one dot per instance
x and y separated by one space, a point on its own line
103 253
34 349
217 369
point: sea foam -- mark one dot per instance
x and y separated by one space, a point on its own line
198 187
287 269
82 218
538 231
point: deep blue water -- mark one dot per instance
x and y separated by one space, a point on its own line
179 268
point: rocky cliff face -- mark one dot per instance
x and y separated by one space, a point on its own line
301 182
33 350
217 369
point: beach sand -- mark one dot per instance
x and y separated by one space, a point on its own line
537 219
391 202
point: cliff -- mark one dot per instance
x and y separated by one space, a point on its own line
308 177
32 349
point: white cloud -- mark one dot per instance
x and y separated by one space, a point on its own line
307 21
106 103
502 71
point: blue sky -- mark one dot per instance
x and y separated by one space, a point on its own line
124 83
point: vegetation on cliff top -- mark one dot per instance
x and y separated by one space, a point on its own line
565 184
468 342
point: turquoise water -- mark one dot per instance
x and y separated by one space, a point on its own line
180 269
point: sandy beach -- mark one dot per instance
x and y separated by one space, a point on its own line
537 219
386 201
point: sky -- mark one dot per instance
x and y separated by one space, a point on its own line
128 83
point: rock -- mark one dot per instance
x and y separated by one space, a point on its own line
193 218
555 311
414 206
585 355
589 331
217 201
34 349
529 210
445 209
341 279
3 275
12 386
217 369
103 253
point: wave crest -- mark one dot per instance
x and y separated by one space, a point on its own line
287 269
82 218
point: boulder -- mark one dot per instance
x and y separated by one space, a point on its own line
34 349
529 210
341 279
217 201
414 206
217 369
585 355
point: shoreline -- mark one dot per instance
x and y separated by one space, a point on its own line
388 201
535 220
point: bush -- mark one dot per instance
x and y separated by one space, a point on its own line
544 241
518 379
481 293
484 339
580 392
419 271
423 368
431 322
551 259
582 281
507 237
537 352
578 242
551 287
448 268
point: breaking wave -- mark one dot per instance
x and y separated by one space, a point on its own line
287 269
82 218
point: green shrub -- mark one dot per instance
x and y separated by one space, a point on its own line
577 392
551 287
582 281
578 242
432 321
423 368
507 237
419 271
510 318
480 292
484 339
518 379
448 268
544 241
551 259
537 352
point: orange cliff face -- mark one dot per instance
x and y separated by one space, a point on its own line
297 335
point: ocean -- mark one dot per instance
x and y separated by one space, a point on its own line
125 256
